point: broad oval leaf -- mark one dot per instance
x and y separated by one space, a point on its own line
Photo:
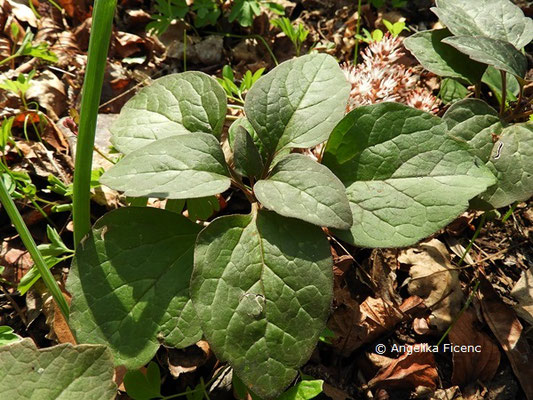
301 188
298 103
475 122
130 284
248 161
405 177
512 163
178 167
501 55
496 19
172 105
61 372
441 58
262 289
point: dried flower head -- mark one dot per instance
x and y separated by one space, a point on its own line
380 77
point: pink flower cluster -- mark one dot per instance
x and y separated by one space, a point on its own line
381 77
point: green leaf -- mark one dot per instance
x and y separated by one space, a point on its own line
303 390
493 79
141 386
405 177
172 105
501 55
262 289
202 208
441 58
496 19
512 163
243 122
475 122
62 372
452 91
130 284
178 167
301 188
298 103
244 12
246 156
7 335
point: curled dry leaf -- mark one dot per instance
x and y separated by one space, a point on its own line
434 280
408 371
471 366
355 325
50 93
181 361
523 292
509 332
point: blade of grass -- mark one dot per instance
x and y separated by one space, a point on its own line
27 239
103 13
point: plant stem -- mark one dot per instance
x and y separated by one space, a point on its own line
36 255
357 32
104 11
467 304
471 243
509 212
504 92
258 37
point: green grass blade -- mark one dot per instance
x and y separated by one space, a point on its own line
103 13
36 255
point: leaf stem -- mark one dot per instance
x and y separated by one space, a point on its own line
104 11
357 32
474 237
504 92
27 239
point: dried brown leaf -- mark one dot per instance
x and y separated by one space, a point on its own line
471 366
434 279
523 292
508 330
408 372
50 93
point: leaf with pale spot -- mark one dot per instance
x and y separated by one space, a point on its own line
62 372
262 289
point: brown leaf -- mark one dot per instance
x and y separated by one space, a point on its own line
50 93
508 330
434 280
181 361
471 366
408 372
523 292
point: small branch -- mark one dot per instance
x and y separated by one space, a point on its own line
504 92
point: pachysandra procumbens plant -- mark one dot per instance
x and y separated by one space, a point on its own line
258 286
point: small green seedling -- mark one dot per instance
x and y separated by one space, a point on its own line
297 34
27 48
234 90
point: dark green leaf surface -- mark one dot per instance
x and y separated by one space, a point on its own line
301 188
501 55
441 58
451 91
496 19
511 162
172 105
130 284
146 386
303 390
246 155
298 103
493 79
475 122
262 289
62 372
405 177
178 167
